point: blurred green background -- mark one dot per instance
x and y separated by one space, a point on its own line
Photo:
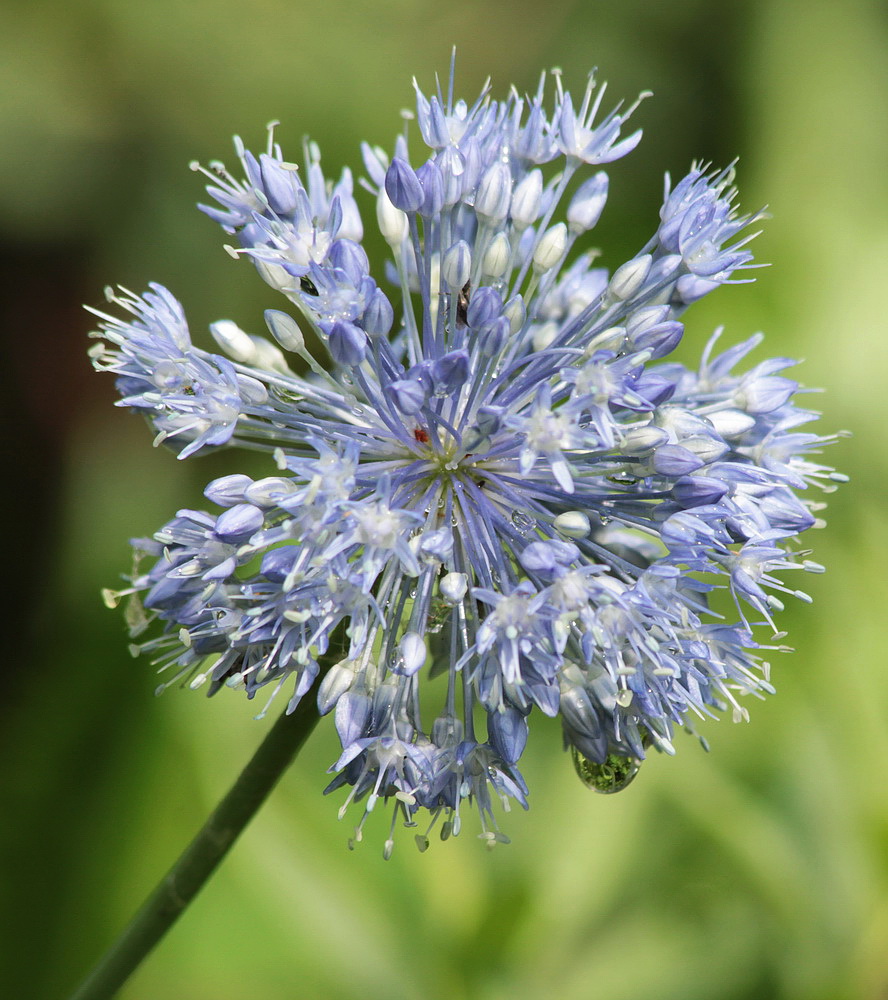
759 870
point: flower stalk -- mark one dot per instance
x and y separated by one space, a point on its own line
204 854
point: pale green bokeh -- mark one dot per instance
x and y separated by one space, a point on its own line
758 870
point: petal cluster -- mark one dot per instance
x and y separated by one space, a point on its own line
492 491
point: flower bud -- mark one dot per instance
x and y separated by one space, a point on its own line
526 200
279 183
350 257
237 523
228 490
473 165
411 654
515 312
453 174
551 248
347 344
494 193
492 339
497 257
674 460
659 340
278 563
507 730
573 523
407 395
392 221
640 440
450 372
285 330
484 307
236 343
629 278
453 587
268 492
436 545
696 491
587 204
432 183
378 316
644 318
402 186
338 679
352 715
457 265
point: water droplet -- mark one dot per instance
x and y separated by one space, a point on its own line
612 775
523 522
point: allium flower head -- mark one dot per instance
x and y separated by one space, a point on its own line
492 493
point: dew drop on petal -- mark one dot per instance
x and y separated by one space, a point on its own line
523 522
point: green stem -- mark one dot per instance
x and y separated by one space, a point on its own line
202 856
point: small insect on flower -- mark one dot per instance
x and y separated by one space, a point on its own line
462 304
493 473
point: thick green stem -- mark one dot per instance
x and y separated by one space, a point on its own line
200 859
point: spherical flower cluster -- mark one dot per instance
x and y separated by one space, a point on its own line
488 470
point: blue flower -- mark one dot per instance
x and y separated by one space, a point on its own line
485 467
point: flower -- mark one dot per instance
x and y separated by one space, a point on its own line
486 467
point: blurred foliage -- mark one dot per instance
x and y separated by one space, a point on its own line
760 869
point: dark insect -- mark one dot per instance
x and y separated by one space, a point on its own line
308 286
462 304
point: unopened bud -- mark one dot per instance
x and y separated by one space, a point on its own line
628 278
402 186
236 343
453 587
515 313
587 204
392 221
551 248
347 343
573 523
457 265
494 193
526 200
497 256
285 330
